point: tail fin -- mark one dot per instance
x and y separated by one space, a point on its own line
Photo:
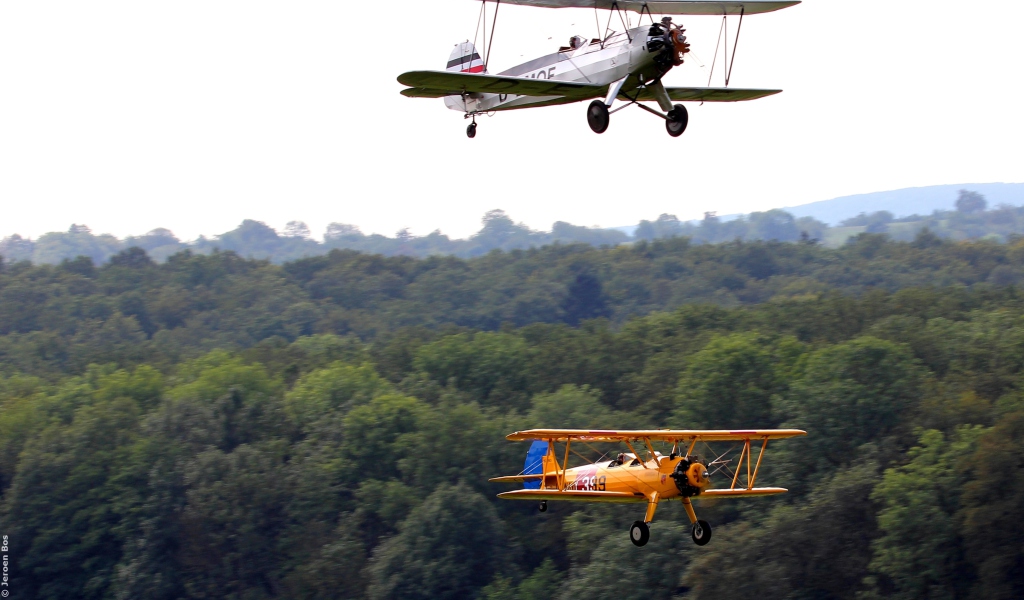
465 59
538 460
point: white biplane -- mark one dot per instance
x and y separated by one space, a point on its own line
627 65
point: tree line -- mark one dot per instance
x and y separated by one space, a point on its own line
215 426
254 239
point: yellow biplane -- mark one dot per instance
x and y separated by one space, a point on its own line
630 477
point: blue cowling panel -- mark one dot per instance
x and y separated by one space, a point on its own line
534 463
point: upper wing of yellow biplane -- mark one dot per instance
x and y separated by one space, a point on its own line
670 7
663 435
437 84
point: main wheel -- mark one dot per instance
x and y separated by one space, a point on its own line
597 116
471 130
639 533
543 506
677 120
701 533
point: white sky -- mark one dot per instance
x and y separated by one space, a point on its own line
193 115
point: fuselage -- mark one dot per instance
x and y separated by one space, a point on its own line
621 55
642 479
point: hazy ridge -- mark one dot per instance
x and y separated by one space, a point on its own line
901 214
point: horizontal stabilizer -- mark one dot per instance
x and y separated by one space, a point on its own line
706 94
516 478
670 7
425 93
573 496
436 84
742 493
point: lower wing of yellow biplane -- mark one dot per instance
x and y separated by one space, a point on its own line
437 84
623 497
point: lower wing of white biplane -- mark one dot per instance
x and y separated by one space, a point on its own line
437 84
704 94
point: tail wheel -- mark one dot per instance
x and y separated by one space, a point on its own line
677 120
471 130
597 116
701 533
543 506
639 533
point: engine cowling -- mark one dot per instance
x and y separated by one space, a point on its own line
691 477
669 42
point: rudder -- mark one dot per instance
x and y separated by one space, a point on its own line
465 59
537 460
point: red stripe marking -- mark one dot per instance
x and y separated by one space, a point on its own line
476 69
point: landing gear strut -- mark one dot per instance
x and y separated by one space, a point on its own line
640 532
700 530
597 116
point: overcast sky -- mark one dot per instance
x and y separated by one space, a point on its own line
193 115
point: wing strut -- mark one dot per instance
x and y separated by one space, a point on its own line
636 454
735 44
494 23
725 55
745 452
565 462
650 449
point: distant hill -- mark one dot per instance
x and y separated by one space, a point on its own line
901 203
909 201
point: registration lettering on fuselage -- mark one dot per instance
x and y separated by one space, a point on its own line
548 73
587 480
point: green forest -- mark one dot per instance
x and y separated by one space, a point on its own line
207 425
971 219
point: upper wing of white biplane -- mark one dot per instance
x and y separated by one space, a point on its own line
436 84
664 435
706 94
669 7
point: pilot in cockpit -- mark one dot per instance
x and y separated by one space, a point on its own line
575 42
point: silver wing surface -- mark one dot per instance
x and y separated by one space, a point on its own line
670 7
436 84
704 94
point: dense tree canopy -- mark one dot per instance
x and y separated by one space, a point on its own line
214 426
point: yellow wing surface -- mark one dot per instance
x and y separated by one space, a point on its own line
654 435
574 496
627 498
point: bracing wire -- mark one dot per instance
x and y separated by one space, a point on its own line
717 45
